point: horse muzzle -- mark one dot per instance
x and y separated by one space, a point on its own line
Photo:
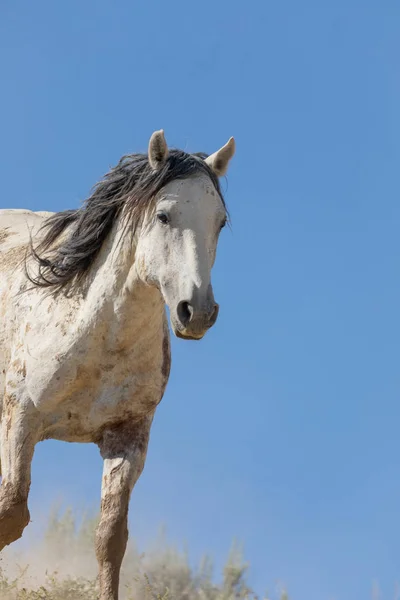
192 324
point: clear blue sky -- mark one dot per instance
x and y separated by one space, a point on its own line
282 426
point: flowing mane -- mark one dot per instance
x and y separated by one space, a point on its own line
129 188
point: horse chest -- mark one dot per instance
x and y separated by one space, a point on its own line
109 390
87 385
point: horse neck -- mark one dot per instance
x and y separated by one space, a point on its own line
116 297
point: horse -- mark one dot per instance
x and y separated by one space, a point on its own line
84 335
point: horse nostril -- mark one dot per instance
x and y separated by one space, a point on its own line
185 313
214 314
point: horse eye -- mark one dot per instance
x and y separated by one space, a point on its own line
163 218
223 224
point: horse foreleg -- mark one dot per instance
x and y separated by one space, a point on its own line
18 438
124 449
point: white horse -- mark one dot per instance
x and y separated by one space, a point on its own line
84 339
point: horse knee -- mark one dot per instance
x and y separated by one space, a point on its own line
14 517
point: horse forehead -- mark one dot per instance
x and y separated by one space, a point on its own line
191 189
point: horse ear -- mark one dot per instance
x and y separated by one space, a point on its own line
158 150
219 161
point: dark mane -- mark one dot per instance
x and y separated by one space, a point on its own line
130 187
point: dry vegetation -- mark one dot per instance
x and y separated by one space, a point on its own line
62 566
